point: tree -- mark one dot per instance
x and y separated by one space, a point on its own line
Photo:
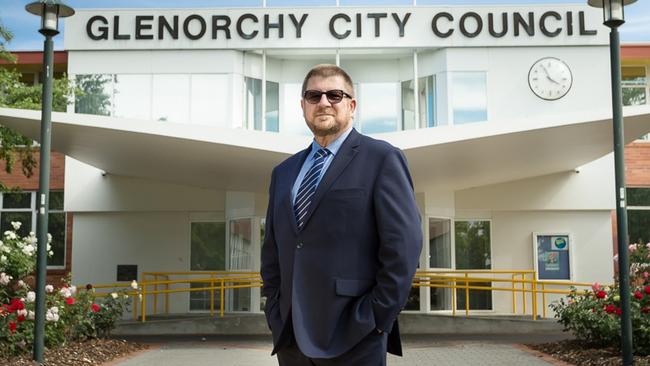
16 94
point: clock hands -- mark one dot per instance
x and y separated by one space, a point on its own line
548 76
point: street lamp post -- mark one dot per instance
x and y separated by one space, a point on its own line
613 17
49 11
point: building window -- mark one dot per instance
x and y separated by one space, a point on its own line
472 247
253 105
634 85
440 258
94 94
426 103
241 258
468 92
210 99
638 215
132 96
21 206
207 253
378 107
292 119
171 98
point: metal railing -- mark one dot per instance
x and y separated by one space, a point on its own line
522 285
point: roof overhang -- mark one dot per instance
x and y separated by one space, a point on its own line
446 157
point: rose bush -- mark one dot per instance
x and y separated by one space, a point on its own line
71 314
593 316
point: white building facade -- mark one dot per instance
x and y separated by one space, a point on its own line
502 112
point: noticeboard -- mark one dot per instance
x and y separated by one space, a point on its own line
553 256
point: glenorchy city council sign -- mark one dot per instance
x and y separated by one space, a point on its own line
334 27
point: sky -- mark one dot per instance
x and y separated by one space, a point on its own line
25 26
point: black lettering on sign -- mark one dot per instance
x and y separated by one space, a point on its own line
103 30
504 25
401 23
529 26
116 29
434 25
163 25
186 27
542 24
298 23
140 26
240 30
333 31
225 27
479 24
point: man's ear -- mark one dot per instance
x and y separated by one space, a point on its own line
353 106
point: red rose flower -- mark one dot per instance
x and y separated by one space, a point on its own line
21 318
15 305
95 308
12 327
619 311
645 310
638 295
69 300
601 294
647 290
610 308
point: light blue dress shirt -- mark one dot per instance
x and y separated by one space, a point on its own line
333 147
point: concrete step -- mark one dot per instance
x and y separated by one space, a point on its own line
410 323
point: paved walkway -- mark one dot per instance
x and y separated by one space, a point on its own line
419 351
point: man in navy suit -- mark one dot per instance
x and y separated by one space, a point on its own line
343 237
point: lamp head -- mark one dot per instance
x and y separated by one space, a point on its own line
613 13
49 11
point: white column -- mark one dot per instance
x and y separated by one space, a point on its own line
338 58
416 90
264 90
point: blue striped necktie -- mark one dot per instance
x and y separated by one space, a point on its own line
308 187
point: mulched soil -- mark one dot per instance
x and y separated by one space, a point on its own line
92 352
578 353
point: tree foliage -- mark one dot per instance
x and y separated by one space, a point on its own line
16 94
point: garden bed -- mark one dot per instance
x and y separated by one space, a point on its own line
578 353
91 352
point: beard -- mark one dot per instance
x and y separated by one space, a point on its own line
320 130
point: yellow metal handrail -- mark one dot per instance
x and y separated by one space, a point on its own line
520 283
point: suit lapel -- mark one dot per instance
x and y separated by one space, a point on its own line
343 157
290 179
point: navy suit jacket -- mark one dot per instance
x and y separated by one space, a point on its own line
349 270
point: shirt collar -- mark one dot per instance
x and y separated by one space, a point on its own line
334 146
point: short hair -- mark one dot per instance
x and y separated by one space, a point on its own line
325 71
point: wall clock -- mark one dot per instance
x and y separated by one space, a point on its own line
550 78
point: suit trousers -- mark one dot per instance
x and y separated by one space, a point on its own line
370 351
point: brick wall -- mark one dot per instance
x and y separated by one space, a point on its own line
57 175
637 164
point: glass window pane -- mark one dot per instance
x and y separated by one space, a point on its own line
208 246
132 96
469 97
241 258
253 113
56 201
94 94
17 200
378 107
171 98
634 96
638 196
439 243
240 245
639 226
427 101
200 300
408 105
473 252
56 227
23 217
292 120
413 301
210 103
272 106
633 76
441 297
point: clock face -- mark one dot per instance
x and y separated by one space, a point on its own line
550 78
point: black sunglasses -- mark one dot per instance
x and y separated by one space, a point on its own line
333 96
